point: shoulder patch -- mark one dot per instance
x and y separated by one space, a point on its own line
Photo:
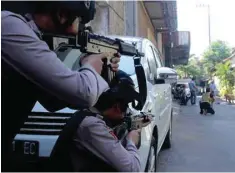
112 133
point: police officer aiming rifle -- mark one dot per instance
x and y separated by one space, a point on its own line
32 72
89 143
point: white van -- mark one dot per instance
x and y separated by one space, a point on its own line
42 128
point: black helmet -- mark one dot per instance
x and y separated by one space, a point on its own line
83 9
123 92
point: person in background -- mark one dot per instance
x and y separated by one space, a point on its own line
206 102
213 88
203 85
193 89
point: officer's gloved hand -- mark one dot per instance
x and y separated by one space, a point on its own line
115 62
134 136
95 60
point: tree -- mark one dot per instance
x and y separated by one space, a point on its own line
182 71
226 76
216 53
192 69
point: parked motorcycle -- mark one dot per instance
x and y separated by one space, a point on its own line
182 93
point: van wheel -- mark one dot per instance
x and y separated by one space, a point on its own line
152 157
168 139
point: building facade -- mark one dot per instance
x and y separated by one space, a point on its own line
154 20
123 18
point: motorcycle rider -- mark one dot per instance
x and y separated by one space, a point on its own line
32 72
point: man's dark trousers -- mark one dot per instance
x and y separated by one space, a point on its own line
193 97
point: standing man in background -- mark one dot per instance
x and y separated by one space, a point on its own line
203 85
193 89
213 87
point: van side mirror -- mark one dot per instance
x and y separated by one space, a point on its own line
166 74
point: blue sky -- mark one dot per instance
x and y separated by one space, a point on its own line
195 19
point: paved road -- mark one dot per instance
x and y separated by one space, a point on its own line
201 143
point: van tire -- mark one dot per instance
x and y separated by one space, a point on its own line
151 165
168 140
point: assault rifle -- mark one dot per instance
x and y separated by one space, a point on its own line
132 122
90 43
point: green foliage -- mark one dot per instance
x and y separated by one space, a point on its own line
211 64
226 76
215 54
192 69
181 70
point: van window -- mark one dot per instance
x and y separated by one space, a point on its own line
158 57
70 57
151 60
155 58
127 65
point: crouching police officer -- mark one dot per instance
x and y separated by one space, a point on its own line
89 138
31 71
96 147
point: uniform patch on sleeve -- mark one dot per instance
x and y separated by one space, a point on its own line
112 133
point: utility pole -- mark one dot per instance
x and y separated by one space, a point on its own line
209 19
209 23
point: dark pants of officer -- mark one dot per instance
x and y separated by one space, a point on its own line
193 97
207 106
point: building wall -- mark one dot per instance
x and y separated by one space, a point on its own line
159 42
125 18
116 18
130 18
145 27
100 21
109 18
122 18
160 47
